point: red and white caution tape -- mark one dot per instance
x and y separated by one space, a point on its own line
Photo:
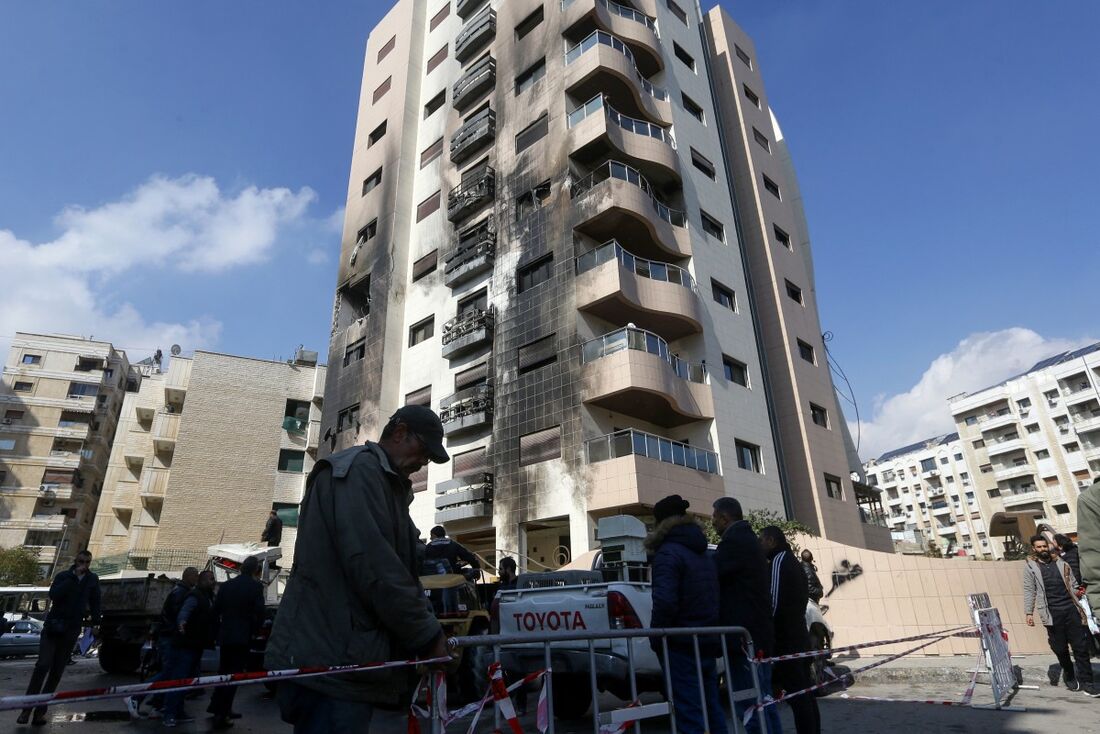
9 703
447 718
955 632
967 697
621 726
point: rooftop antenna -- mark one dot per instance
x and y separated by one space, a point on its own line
175 350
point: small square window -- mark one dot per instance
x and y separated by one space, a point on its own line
735 371
532 133
385 50
22 387
421 331
368 233
439 17
371 181
528 78
540 446
683 55
772 187
819 415
782 237
537 354
751 96
693 108
833 487
748 457
979 444
702 163
742 55
529 23
435 103
432 152
806 352
794 292
712 226
530 275
292 461
436 59
381 89
355 351
32 359
723 295
348 419
425 265
762 139
377 134
677 11
423 396
428 206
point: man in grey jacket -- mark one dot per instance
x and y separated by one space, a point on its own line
1050 592
354 594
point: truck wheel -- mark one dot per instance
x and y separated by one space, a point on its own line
119 657
572 696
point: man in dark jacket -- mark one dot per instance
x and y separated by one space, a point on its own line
743 602
813 581
685 594
1067 549
239 609
273 530
165 630
73 593
789 598
195 625
354 594
442 548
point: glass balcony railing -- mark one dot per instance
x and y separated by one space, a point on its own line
623 11
606 39
623 172
652 269
642 341
629 441
630 124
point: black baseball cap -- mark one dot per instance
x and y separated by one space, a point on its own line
424 423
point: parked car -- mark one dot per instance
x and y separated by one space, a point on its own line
22 639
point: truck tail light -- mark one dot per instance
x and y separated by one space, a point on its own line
620 613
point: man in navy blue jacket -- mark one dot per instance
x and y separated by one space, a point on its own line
685 594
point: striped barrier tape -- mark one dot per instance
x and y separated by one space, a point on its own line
967 697
955 632
449 717
10 703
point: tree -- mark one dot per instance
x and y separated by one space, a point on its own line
760 519
18 565
933 550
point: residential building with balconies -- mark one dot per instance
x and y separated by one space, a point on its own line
542 243
204 451
60 399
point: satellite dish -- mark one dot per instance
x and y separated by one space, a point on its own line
175 350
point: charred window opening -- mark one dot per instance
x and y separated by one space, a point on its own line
352 303
355 351
532 133
527 79
473 303
348 418
529 23
531 275
435 103
529 201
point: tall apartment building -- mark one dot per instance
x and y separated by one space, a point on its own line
59 404
930 497
1034 440
542 243
203 453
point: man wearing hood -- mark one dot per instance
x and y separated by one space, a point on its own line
685 594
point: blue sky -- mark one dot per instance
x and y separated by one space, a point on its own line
946 153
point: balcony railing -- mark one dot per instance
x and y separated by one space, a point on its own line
467 331
481 27
638 443
474 133
467 408
625 12
606 39
477 188
652 269
623 172
478 78
473 255
643 341
464 498
630 124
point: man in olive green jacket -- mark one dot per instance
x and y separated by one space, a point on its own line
1088 542
354 594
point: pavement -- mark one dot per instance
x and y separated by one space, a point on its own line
1046 709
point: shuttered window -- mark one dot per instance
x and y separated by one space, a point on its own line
436 60
438 17
58 476
473 376
432 152
426 207
469 463
385 50
381 90
534 132
419 479
423 396
538 353
425 265
540 446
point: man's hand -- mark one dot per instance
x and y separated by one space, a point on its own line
1031 620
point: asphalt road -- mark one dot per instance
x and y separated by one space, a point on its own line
1047 709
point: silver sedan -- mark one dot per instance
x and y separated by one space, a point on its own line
23 638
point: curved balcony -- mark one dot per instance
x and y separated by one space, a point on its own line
632 27
616 200
619 287
603 63
597 128
633 372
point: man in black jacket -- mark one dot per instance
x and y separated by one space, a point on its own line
239 608
165 630
273 530
813 582
789 597
194 633
743 602
72 593
442 548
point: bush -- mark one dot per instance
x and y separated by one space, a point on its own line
18 565
760 519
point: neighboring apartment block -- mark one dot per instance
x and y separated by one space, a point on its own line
59 404
1034 440
203 453
541 242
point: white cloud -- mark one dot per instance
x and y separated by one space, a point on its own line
317 256
184 223
978 361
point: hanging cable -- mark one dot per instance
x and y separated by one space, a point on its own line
835 366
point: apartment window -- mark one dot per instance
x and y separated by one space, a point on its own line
7 444
427 206
1042 454
971 420
742 55
377 134
979 444
476 375
1061 509
348 419
432 152
712 226
435 103
683 55
782 237
22 387
806 352
693 108
372 181
927 464
293 461
677 11
772 187
958 457
83 390
723 295
748 456
14 415
35 359
421 331
385 50
833 487
751 96
435 60
439 17
423 396
355 351
529 23
367 233
540 446
528 201
532 133
1032 428
819 415
532 75
762 139
537 354
530 275
794 292
425 265
474 302
381 89
702 163
735 371
944 460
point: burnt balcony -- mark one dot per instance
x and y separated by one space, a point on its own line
465 7
478 79
481 29
467 332
464 498
473 255
476 190
467 410
475 134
